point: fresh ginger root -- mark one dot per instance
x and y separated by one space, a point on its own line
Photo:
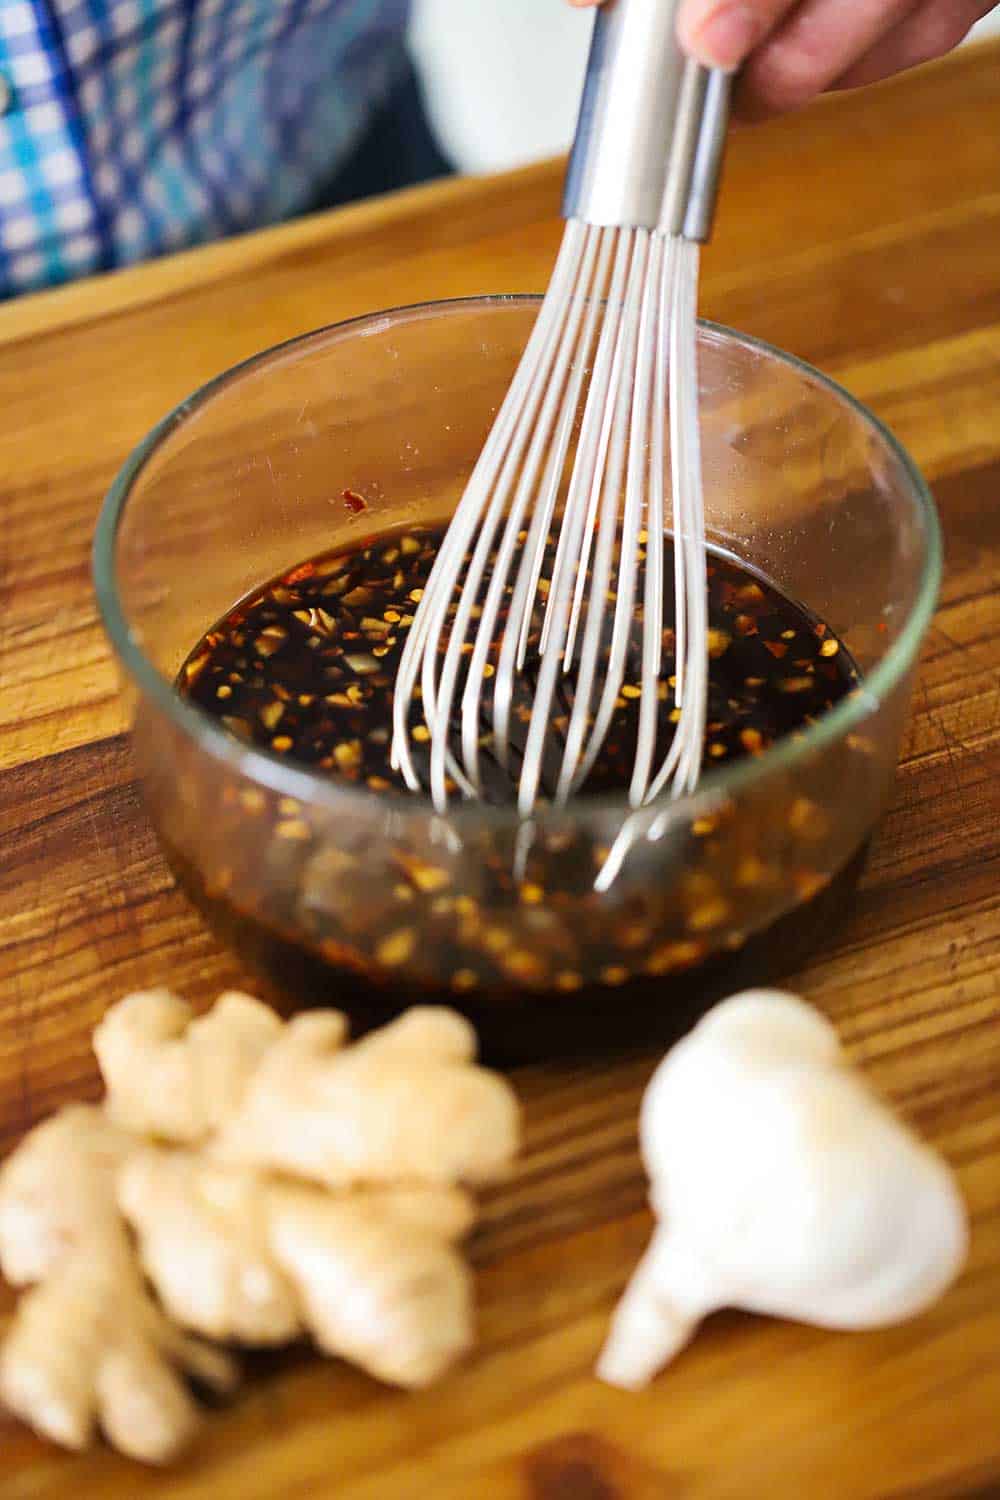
175 1077
372 1274
404 1104
87 1344
269 1180
390 1123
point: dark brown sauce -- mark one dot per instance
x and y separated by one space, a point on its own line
526 1024
304 667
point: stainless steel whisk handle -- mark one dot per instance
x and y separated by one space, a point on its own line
652 126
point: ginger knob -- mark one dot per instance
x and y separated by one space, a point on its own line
172 1075
407 1103
371 1274
87 1346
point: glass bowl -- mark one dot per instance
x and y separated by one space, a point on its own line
368 900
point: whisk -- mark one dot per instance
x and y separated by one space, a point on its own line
573 471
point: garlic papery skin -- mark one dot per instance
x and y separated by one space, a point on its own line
781 1184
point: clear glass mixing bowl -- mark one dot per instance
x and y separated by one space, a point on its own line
245 479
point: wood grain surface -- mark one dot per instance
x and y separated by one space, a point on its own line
863 235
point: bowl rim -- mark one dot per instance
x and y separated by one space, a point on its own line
287 779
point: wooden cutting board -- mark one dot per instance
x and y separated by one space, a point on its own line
863 235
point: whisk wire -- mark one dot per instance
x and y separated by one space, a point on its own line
555 400
539 538
609 526
439 692
652 627
433 606
582 496
576 533
683 759
632 518
595 428
686 395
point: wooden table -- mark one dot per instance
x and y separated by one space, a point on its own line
865 236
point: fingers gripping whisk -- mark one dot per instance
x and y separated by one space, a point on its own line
548 596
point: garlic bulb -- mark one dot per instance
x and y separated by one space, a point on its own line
781 1184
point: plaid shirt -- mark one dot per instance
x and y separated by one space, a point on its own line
132 127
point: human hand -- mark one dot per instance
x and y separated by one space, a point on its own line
791 50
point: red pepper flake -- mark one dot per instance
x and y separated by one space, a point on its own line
809 883
354 502
305 570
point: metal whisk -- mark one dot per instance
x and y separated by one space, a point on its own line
573 472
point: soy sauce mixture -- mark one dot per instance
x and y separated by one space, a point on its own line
305 667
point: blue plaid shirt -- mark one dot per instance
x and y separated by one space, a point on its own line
132 127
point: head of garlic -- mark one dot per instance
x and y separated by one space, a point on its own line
781 1184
